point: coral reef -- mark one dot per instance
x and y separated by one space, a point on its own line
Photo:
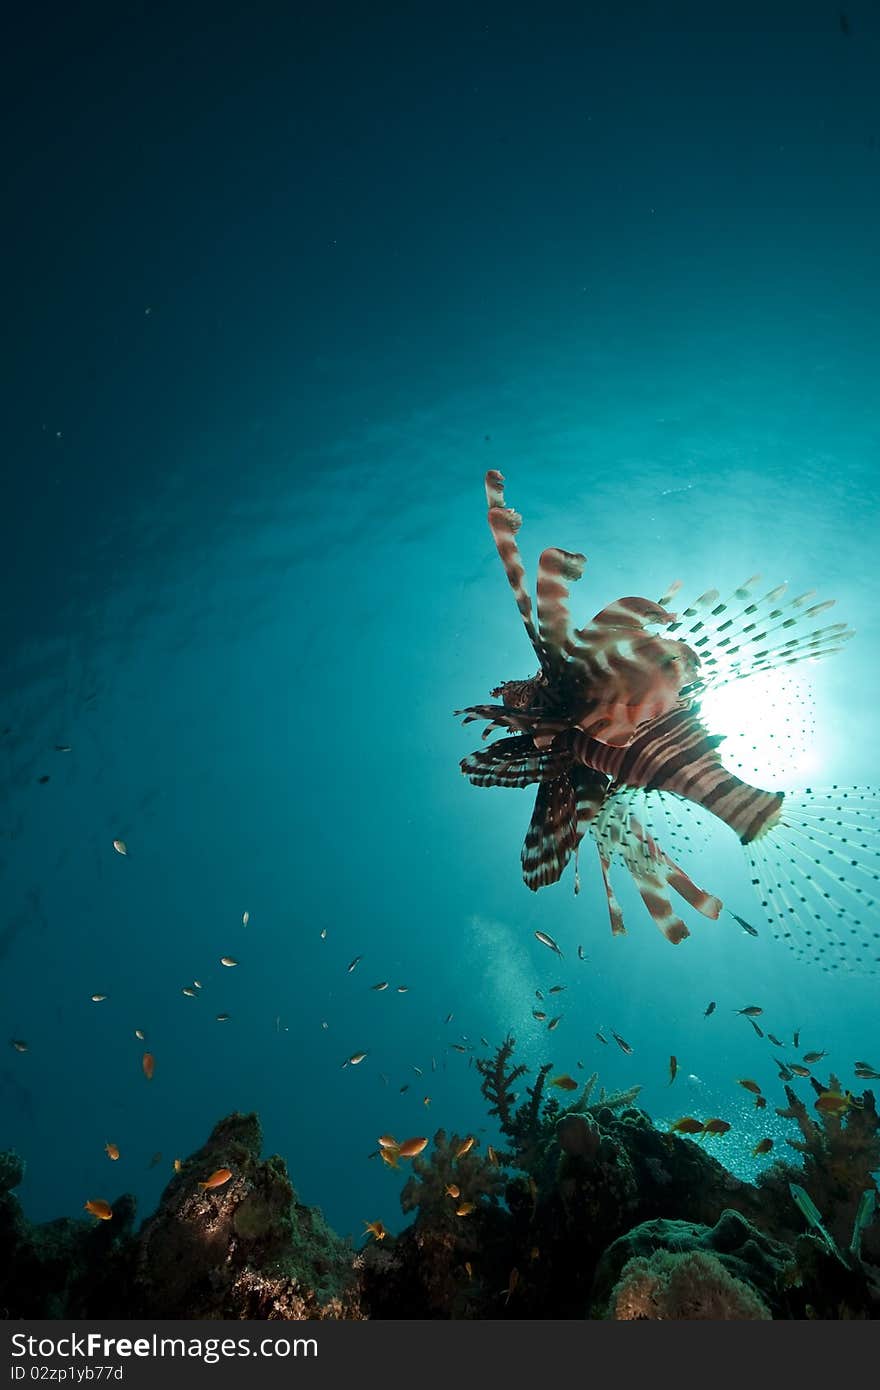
583 1210
248 1245
246 1249
839 1156
11 1170
741 1251
693 1285
470 1177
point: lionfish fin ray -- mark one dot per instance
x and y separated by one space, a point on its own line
817 874
743 634
556 570
504 523
621 835
512 762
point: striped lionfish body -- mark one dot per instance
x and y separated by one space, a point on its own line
610 730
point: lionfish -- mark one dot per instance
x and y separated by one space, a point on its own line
610 729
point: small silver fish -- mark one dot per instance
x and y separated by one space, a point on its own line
548 941
746 926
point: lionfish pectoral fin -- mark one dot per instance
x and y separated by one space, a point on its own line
622 836
512 762
656 901
614 910
552 833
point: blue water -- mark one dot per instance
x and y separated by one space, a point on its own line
282 287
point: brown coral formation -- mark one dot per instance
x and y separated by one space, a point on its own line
678 1287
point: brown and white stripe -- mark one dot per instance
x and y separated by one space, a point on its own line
678 754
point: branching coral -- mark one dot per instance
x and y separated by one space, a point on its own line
532 1125
499 1077
615 1101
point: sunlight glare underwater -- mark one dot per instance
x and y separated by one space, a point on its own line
769 727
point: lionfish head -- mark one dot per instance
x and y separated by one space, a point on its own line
520 694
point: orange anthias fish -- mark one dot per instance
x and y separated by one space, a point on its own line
564 1082
148 1062
111 1151
836 1102
98 1207
218 1178
376 1229
465 1146
465 1209
613 719
410 1147
750 1086
686 1125
718 1127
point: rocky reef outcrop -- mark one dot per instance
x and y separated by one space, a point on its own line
245 1249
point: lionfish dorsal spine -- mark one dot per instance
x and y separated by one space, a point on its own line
504 523
556 570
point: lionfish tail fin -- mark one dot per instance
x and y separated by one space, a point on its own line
817 874
744 634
